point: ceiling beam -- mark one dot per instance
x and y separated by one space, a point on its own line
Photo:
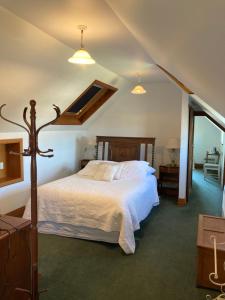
178 82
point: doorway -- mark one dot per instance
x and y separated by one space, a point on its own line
208 159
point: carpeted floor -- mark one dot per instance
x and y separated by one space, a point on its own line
163 267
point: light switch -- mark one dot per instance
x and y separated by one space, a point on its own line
1 165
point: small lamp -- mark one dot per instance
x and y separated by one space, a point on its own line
138 89
172 145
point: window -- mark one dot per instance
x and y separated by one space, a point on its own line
86 104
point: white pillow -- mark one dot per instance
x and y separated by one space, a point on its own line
110 162
105 171
135 169
89 170
124 170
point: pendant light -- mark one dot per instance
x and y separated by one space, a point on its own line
138 89
81 56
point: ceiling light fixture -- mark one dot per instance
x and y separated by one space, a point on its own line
81 56
138 89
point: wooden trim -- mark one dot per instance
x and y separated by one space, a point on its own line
190 152
17 212
178 82
141 140
205 114
199 113
181 201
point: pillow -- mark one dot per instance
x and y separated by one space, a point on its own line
135 169
89 170
105 171
110 162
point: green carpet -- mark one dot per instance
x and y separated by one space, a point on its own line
163 267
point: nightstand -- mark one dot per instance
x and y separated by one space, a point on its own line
84 162
168 182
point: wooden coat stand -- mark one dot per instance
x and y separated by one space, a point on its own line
32 151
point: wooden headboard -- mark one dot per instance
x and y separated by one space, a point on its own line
125 148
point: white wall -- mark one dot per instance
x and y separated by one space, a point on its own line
67 147
184 146
154 114
206 137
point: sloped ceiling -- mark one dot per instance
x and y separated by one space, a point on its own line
107 39
125 37
185 37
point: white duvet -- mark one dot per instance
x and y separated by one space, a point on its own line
116 206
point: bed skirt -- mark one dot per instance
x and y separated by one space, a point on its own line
80 232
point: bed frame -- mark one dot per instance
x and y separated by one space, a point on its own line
125 148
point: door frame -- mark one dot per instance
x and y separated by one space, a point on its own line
192 115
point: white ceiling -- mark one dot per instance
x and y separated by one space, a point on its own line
107 39
185 37
128 36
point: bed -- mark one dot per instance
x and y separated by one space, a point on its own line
110 211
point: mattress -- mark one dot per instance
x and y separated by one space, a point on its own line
77 206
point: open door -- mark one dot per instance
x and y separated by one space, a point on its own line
190 152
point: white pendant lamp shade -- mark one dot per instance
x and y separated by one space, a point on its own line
81 56
138 90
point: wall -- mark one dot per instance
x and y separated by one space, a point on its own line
67 147
154 114
206 137
184 148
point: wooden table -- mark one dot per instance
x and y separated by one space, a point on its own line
208 226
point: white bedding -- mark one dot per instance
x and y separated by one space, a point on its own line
116 206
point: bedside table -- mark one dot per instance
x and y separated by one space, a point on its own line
84 162
168 182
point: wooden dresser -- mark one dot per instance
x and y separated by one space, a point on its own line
14 258
208 226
